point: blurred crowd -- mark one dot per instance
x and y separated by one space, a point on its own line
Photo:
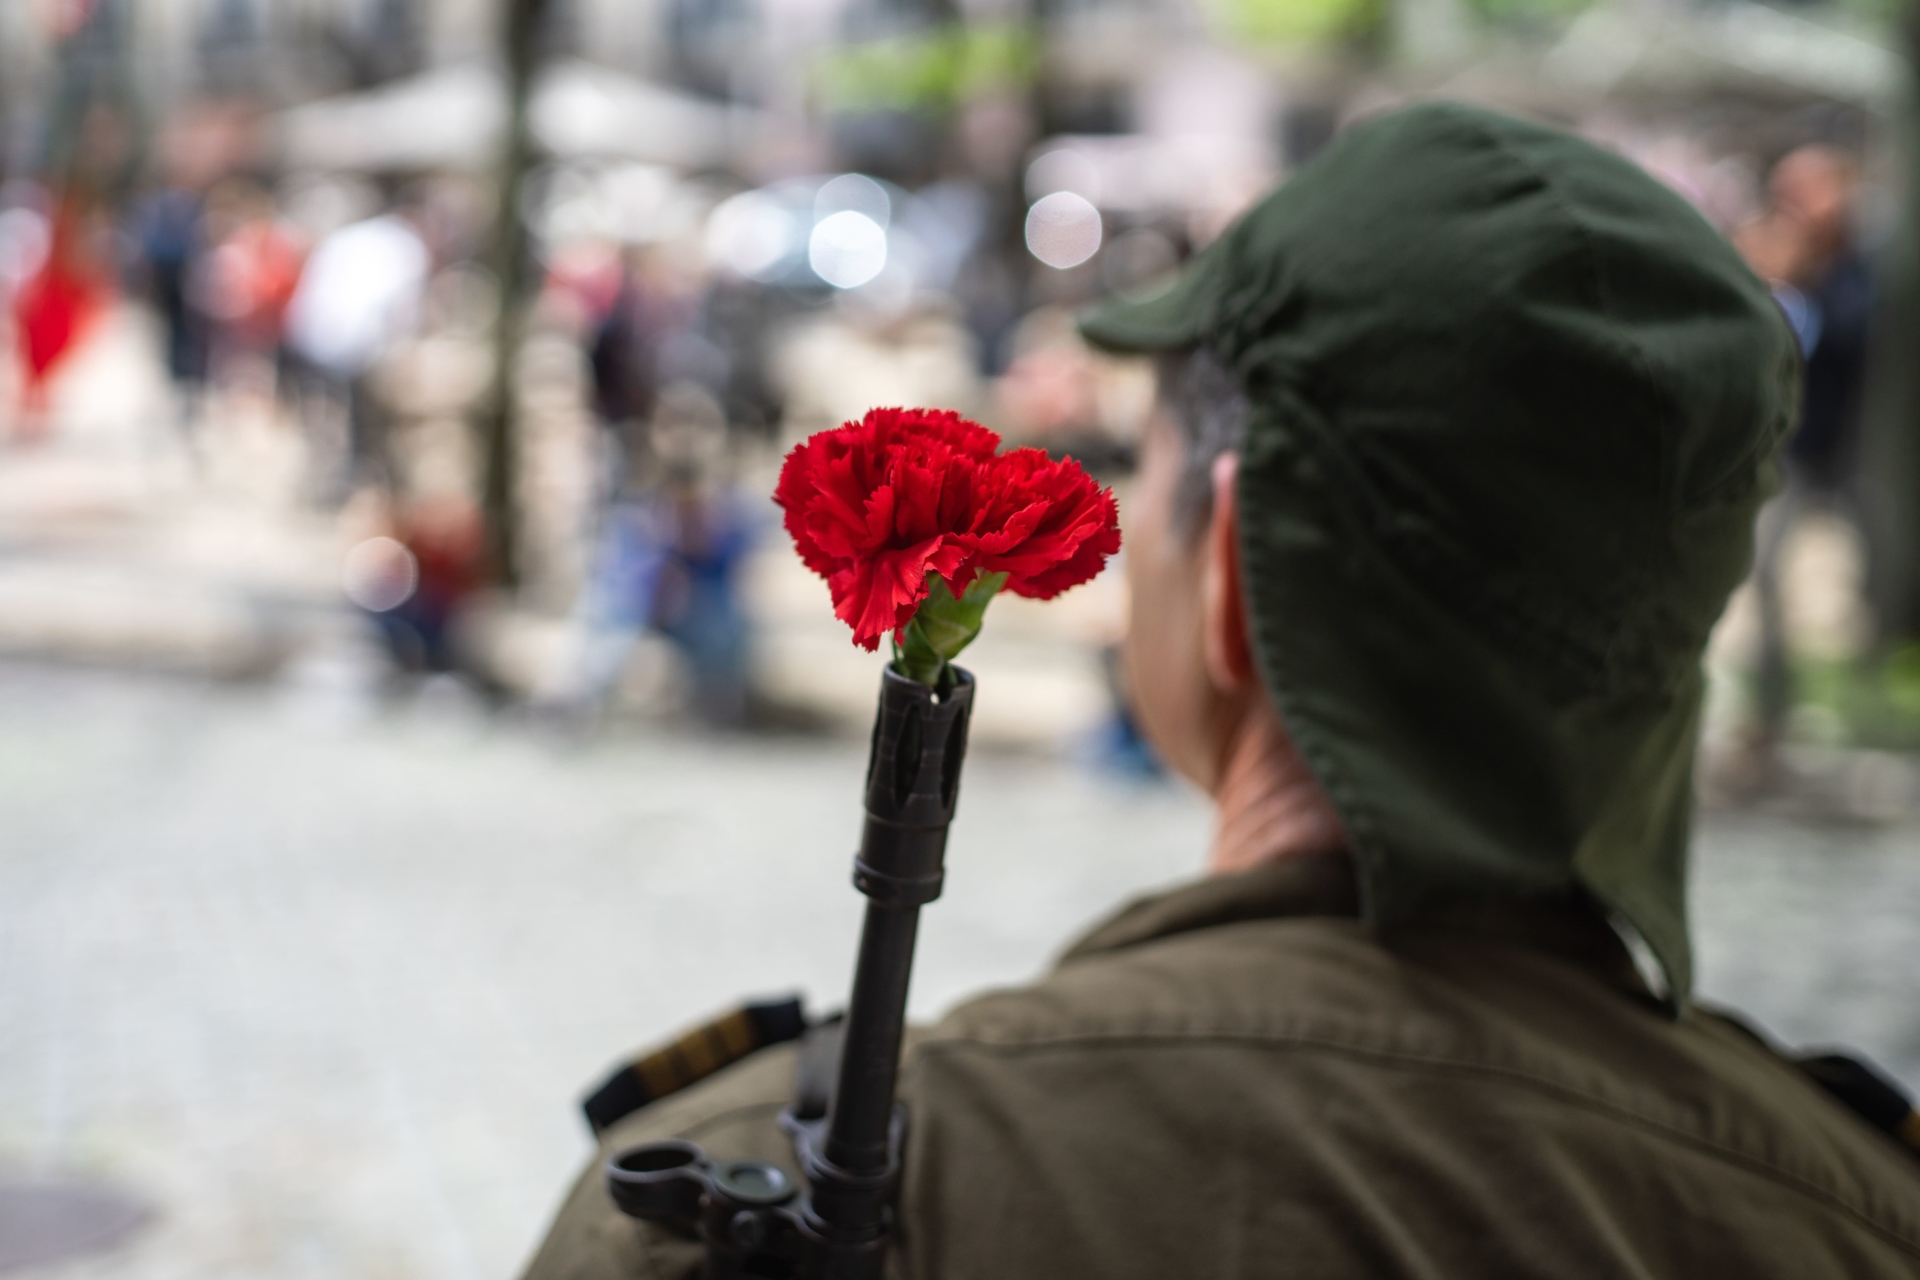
694 317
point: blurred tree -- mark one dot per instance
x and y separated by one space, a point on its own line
1890 445
522 47
1301 21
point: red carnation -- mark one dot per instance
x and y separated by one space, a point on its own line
1044 524
874 507
915 521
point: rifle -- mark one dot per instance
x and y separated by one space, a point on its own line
749 1214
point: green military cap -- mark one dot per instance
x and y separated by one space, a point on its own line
1513 406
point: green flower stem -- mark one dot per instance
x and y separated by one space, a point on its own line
943 626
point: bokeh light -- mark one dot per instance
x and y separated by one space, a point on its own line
380 574
847 249
1063 230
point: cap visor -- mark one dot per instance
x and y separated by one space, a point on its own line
1162 319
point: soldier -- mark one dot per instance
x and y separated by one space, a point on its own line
1460 441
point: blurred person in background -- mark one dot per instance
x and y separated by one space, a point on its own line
360 294
669 559
1805 245
740 322
696 602
623 356
167 239
55 306
415 575
1460 440
246 280
645 335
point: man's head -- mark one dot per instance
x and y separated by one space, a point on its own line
1189 666
1505 407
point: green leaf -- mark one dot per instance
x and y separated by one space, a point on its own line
943 626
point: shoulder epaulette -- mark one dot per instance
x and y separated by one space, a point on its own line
1868 1094
692 1057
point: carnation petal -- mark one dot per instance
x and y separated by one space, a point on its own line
878 594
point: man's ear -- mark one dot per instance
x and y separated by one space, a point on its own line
1223 606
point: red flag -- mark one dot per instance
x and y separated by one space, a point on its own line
53 308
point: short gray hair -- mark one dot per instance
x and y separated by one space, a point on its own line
1208 409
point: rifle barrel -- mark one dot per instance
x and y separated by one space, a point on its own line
913 779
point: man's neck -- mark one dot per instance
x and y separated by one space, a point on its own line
1268 804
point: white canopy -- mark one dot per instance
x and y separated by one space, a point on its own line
1623 47
452 117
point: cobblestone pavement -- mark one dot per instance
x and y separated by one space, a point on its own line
323 982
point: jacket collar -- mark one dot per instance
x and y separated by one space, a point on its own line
1308 885
1570 926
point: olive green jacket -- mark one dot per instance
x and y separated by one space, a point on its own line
1237 1078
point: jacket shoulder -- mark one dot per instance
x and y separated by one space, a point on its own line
1471 1071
